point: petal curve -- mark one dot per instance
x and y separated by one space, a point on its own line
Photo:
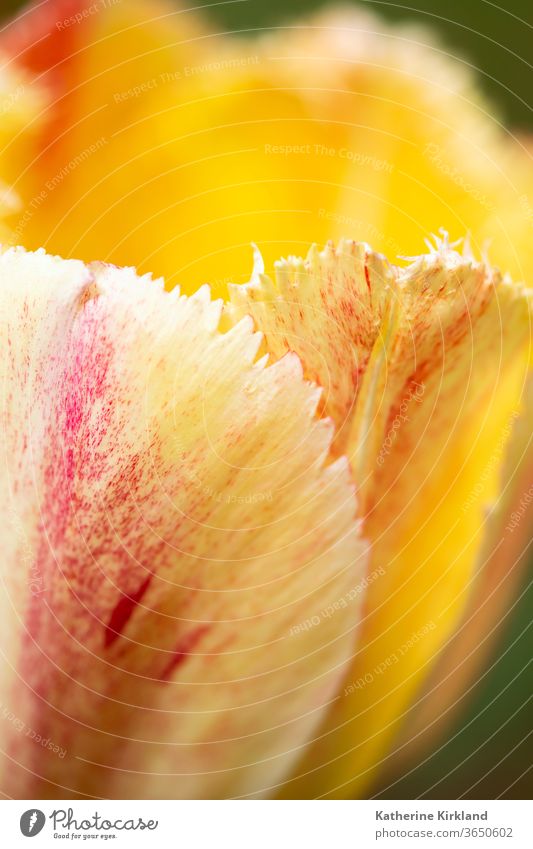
164 546
424 368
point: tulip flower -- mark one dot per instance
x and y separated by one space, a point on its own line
187 553
253 530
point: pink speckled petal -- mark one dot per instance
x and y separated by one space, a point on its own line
424 368
173 520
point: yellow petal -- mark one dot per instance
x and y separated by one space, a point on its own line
174 523
424 368
20 102
329 310
497 579
161 137
233 142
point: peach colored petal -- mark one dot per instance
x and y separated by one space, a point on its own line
423 367
174 519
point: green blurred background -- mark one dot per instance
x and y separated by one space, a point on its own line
494 38
488 752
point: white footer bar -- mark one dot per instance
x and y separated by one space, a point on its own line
268 825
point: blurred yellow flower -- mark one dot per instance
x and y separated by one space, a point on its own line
164 145
163 485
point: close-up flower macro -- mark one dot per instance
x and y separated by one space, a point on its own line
266 288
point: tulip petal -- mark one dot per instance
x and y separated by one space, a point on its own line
227 139
424 367
160 137
20 103
329 310
174 519
497 579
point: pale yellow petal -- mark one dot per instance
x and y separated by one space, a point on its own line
424 367
499 573
174 521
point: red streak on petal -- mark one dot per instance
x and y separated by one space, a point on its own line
122 613
367 278
183 650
